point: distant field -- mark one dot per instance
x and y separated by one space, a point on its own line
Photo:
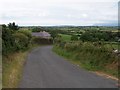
25 28
112 45
115 46
65 37
110 30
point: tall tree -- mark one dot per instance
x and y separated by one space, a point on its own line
12 26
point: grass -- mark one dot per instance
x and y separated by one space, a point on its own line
65 37
65 54
114 45
82 59
12 68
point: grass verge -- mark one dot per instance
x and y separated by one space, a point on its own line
13 67
71 56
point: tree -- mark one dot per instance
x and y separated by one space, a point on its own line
21 41
74 37
27 33
8 42
86 36
38 29
14 40
12 26
53 34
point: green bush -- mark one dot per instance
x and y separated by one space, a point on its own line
74 37
13 39
8 41
21 41
95 56
28 33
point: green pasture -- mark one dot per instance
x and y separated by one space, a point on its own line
65 37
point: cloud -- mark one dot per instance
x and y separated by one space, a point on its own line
58 12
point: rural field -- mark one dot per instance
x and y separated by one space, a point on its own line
59 44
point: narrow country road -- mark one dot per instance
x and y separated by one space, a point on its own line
45 69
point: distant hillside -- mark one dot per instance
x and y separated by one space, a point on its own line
106 24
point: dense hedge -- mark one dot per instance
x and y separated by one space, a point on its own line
95 56
21 41
8 41
14 40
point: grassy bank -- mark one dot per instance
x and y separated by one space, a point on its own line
13 67
93 61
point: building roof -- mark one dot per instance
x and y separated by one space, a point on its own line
41 34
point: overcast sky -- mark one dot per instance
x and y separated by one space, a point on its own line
59 12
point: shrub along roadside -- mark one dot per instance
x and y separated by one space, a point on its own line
15 46
21 41
14 40
13 66
89 56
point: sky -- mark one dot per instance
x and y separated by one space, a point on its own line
59 12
